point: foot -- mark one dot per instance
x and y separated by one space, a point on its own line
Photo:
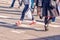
18 23
46 29
40 17
33 23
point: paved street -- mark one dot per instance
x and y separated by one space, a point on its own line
9 31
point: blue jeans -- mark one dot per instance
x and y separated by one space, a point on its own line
24 11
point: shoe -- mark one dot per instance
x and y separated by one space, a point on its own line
18 23
46 27
33 23
40 17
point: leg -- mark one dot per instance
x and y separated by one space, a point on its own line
38 11
33 21
45 10
20 3
46 23
23 15
12 3
51 15
24 11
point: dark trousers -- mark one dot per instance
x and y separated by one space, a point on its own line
45 10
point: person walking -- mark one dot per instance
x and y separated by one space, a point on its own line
26 3
25 10
46 7
32 11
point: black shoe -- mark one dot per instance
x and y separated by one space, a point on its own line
46 27
40 17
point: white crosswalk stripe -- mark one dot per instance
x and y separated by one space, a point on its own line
3 16
16 31
52 25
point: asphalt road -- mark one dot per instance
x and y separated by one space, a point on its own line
9 31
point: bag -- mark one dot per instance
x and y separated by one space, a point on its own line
53 3
29 14
51 6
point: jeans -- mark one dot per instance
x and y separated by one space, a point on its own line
24 11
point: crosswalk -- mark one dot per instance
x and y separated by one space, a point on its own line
27 21
17 31
56 24
51 25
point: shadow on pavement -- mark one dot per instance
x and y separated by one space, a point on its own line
3 7
10 10
6 12
8 7
7 25
56 37
26 28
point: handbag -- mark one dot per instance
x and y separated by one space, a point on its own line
29 14
53 3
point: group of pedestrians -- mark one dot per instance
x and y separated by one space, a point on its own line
44 9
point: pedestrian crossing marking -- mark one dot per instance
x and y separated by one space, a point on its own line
4 16
26 25
16 31
52 25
